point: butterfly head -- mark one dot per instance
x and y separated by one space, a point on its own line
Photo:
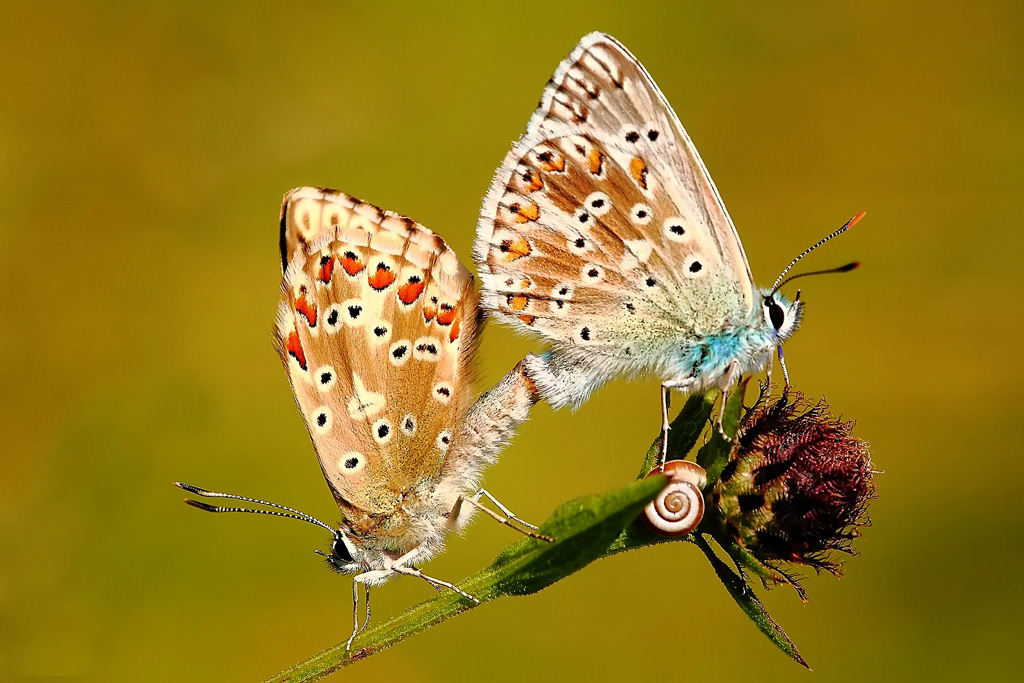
781 315
345 556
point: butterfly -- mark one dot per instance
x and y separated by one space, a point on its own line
376 327
603 234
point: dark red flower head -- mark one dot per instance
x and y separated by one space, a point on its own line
797 483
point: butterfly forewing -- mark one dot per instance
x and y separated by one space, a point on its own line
602 226
375 326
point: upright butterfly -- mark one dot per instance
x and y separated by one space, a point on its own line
376 328
603 233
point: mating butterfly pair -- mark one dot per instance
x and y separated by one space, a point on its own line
602 233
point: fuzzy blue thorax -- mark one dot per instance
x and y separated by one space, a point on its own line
706 360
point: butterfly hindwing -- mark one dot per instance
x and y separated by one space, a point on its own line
602 227
375 328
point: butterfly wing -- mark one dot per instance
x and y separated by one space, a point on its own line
602 228
375 327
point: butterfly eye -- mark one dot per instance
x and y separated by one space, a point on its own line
775 314
339 549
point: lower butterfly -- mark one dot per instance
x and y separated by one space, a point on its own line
603 234
377 327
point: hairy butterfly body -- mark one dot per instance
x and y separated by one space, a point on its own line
603 234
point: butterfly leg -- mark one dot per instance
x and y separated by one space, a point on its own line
666 403
356 628
731 376
785 370
412 571
508 518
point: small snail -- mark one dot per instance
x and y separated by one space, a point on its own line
679 507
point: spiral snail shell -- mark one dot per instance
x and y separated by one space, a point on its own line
679 507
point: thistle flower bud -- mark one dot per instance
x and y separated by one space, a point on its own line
797 484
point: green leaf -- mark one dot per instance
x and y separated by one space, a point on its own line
583 530
748 602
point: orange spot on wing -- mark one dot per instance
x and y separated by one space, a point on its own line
429 311
596 160
307 310
549 163
411 290
454 334
638 169
326 268
351 262
518 302
445 314
529 212
295 350
381 278
515 249
528 319
534 180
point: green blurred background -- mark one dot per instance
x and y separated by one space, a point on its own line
143 155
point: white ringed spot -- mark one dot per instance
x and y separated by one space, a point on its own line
693 267
325 378
379 332
427 348
444 440
578 245
591 272
583 218
443 392
333 318
351 462
382 431
562 291
598 203
353 312
408 425
640 214
630 134
675 229
321 419
399 353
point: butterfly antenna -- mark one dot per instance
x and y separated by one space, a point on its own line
291 513
841 269
849 224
